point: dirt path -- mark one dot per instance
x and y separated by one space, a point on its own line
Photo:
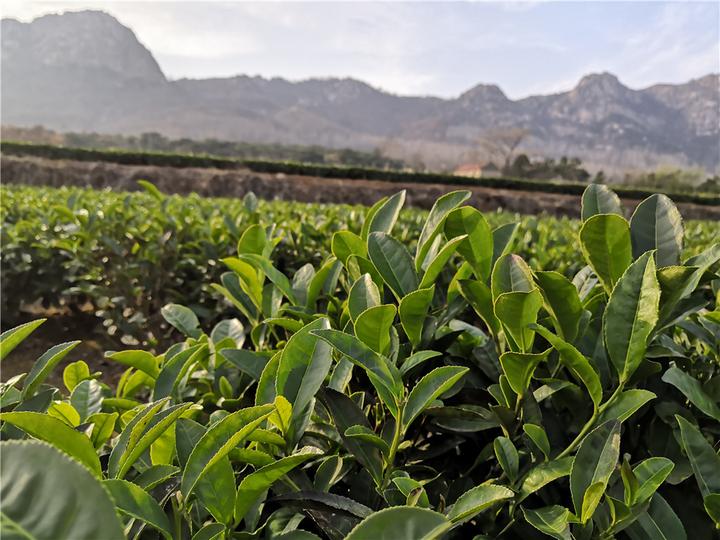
220 183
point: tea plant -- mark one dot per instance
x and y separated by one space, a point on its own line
123 256
387 392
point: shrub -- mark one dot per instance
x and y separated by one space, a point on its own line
376 396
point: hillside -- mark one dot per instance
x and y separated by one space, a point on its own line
85 71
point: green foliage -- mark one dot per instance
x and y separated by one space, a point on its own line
125 256
342 399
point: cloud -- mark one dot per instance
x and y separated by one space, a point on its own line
670 48
439 48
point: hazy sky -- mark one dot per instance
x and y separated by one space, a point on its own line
438 48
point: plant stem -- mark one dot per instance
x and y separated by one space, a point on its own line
177 518
397 436
576 441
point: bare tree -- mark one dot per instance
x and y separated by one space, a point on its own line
501 143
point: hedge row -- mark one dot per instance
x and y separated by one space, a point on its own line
327 171
123 157
546 186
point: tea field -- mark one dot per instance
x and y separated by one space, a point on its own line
296 371
125 255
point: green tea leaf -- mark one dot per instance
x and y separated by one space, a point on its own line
606 245
217 481
211 531
273 274
150 188
631 315
657 225
544 473
346 243
539 437
561 302
87 398
413 310
183 319
511 274
659 523
219 439
479 297
33 476
140 360
74 373
626 404
650 474
134 501
550 520
693 391
434 223
594 463
346 415
576 362
438 262
417 359
519 368
477 248
44 365
155 428
303 367
386 214
255 484
712 507
401 523
103 427
176 367
59 434
253 240
517 311
599 199
13 337
383 375
394 263
429 388
369 215
363 294
507 456
367 435
476 500
704 460
372 327
503 238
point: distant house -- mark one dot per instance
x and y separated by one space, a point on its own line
478 170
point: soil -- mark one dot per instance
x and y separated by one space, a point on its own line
60 328
236 183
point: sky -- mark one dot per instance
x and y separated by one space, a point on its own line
422 48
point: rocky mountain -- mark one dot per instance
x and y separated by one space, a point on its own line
85 71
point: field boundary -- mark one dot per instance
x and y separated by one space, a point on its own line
210 182
161 159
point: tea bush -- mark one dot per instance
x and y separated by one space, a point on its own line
372 396
125 255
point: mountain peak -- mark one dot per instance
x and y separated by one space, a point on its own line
605 82
88 39
484 92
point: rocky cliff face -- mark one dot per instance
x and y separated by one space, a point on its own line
87 72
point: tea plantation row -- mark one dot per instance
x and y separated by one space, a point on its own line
128 254
413 380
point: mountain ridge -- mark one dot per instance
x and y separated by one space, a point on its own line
85 71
